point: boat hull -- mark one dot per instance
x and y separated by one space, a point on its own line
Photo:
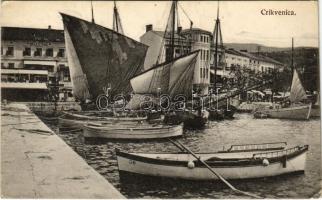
190 120
178 170
73 120
315 112
117 132
298 112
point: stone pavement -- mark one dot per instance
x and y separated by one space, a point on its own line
36 163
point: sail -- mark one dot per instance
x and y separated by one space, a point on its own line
297 90
100 58
78 78
170 78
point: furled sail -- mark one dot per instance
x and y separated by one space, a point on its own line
297 90
171 78
100 58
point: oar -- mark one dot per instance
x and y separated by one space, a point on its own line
181 146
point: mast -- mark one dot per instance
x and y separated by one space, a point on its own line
292 64
174 4
117 25
217 34
93 21
115 18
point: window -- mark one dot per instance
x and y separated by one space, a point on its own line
200 72
61 53
11 65
27 51
201 38
1 50
10 51
49 52
38 52
2 65
207 73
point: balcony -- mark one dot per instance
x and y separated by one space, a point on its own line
23 85
24 71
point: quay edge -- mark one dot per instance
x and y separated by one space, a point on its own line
36 163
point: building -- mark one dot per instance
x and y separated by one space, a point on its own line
31 60
198 39
186 41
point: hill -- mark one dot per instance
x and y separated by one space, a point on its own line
253 47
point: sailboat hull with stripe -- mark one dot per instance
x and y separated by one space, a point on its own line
230 165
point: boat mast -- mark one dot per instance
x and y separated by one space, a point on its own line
93 21
174 4
292 64
217 34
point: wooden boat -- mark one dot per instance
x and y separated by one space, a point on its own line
240 164
137 131
190 119
316 111
170 77
75 120
296 110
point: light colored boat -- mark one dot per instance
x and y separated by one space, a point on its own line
296 110
229 164
133 131
75 120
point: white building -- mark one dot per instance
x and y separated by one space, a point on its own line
30 60
198 39
188 40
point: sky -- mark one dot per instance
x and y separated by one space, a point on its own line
241 21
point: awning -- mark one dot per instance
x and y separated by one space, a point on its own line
24 71
11 85
39 62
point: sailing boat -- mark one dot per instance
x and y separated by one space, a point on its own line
296 110
224 111
101 60
172 78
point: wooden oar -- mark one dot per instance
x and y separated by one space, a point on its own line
181 146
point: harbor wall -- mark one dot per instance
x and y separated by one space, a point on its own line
36 163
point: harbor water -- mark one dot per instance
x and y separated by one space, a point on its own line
244 129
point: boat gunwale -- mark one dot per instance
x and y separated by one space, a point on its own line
227 163
110 128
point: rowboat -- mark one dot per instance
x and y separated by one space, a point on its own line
75 120
132 131
231 164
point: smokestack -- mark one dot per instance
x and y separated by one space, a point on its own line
148 27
